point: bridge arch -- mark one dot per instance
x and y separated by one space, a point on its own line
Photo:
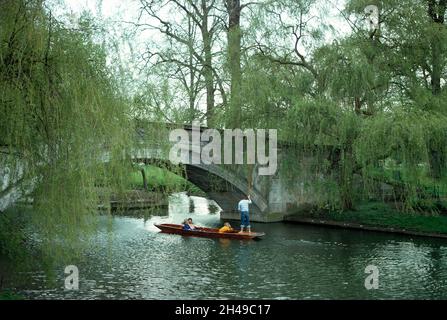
230 189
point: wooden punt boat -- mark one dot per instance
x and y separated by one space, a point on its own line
207 232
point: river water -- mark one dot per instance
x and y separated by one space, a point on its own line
291 262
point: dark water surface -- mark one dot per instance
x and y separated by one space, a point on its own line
291 262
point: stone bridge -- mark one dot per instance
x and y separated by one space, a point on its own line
226 184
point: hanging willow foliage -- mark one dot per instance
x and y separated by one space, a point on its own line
405 142
61 117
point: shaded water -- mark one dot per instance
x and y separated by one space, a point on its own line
291 262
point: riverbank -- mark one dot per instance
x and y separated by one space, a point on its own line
376 217
161 180
7 295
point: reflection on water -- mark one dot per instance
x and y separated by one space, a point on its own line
292 262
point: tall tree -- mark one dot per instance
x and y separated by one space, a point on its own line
234 60
198 16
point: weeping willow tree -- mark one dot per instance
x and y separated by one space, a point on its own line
359 131
64 125
401 142
359 110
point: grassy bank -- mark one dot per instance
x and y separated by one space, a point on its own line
162 180
383 216
8 295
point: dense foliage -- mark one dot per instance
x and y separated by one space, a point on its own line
62 117
368 105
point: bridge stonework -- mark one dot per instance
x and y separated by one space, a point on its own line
272 198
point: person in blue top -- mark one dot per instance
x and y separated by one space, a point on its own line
243 208
188 225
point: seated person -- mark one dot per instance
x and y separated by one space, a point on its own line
185 224
226 228
188 225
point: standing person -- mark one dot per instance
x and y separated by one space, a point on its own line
243 208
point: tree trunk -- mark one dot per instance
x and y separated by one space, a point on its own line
436 159
143 173
346 178
436 11
208 71
191 90
436 66
234 61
